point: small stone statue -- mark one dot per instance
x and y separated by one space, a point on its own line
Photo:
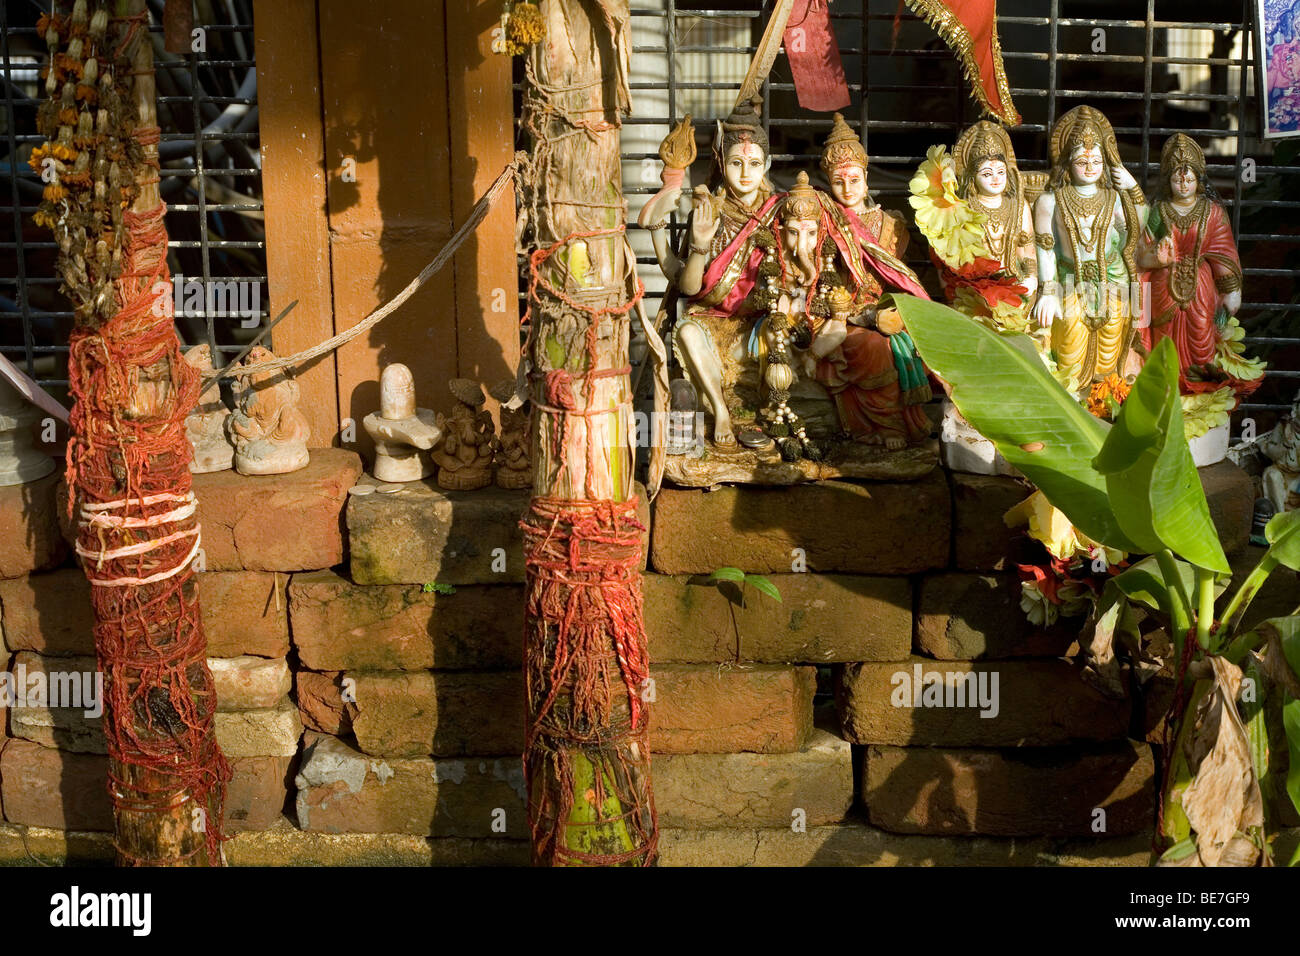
206 425
514 460
269 432
403 434
20 460
1282 447
464 459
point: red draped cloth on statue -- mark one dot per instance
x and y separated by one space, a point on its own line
860 374
1191 324
895 274
717 270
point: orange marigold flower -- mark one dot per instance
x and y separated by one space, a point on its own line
38 157
526 25
54 192
1105 397
69 65
63 152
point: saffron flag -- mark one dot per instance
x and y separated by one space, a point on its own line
970 28
814 57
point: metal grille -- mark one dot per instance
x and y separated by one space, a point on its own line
1177 66
211 180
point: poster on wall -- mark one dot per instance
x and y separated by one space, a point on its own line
1277 40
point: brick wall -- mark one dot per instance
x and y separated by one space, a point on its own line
371 720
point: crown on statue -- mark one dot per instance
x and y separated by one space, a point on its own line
745 125
801 201
984 140
1181 150
1082 128
841 147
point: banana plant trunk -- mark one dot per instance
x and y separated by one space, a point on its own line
587 762
128 455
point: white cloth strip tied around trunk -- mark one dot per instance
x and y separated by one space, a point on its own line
98 519
94 516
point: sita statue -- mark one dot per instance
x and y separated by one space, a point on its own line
870 241
881 234
717 266
973 209
1195 277
1087 225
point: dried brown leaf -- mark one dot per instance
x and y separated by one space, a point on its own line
1224 795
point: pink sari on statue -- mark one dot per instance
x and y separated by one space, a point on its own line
731 276
861 245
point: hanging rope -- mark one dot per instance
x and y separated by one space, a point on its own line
476 216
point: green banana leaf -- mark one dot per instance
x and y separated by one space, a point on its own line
1001 386
1283 535
1152 482
1145 582
1291 724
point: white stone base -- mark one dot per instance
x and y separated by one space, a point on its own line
964 449
1211 448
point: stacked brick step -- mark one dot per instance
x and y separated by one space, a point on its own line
53 765
366 648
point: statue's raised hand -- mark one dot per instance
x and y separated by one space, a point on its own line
1167 251
704 219
1122 178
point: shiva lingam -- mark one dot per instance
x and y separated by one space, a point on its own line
206 425
403 433
20 460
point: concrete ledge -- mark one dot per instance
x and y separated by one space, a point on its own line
876 528
1107 790
420 534
848 844
244 612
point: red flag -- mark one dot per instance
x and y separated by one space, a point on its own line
970 28
815 58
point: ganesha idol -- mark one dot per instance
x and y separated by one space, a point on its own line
799 383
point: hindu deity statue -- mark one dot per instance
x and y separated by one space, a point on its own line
464 458
267 428
514 453
716 268
1087 225
1281 446
825 298
1194 274
844 162
855 360
989 179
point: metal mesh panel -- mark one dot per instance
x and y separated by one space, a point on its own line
211 181
1174 66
